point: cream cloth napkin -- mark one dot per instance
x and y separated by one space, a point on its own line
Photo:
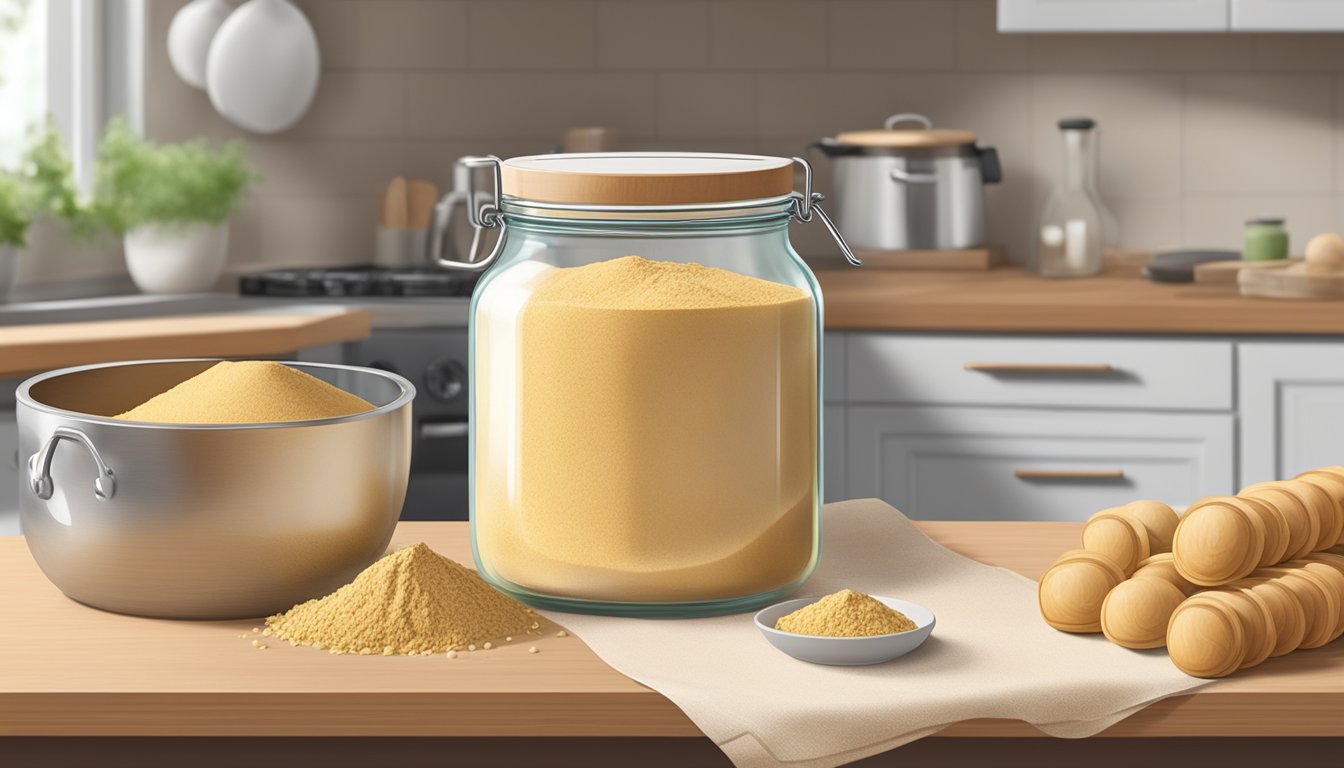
990 655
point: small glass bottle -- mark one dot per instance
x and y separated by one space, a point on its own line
1264 239
1069 239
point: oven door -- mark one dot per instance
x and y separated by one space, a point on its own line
435 361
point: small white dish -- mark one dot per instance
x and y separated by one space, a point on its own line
846 651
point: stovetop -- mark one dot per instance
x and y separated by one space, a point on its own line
357 281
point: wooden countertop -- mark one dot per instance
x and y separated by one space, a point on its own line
28 348
69 670
1010 299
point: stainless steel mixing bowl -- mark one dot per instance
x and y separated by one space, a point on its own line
206 521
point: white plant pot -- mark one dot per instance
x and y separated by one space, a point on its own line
9 267
178 258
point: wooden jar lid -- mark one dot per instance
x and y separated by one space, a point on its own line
1256 623
1290 619
1159 519
1332 484
1119 537
1304 528
1135 613
1163 566
645 178
1071 592
1216 543
1205 638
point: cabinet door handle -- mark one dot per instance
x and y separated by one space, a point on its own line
1069 474
1046 368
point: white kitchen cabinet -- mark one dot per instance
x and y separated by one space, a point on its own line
1142 374
1291 402
939 463
1113 15
9 474
1287 15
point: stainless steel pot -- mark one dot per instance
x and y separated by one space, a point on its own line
911 189
205 521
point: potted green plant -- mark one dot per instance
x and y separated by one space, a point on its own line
43 187
14 221
171 203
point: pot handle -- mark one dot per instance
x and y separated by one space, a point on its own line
906 177
907 117
991 172
39 466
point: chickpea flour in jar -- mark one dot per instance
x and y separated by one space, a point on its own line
645 384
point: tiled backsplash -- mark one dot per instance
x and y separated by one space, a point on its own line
1198 131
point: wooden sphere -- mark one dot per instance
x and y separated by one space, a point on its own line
1276 525
1071 592
1256 623
1324 253
1290 620
1135 613
1304 529
1163 566
1205 638
1334 579
1157 518
1216 543
1334 485
1121 538
1318 603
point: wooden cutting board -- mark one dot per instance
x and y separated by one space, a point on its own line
1293 282
26 349
1225 272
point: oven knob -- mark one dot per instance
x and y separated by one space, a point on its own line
445 379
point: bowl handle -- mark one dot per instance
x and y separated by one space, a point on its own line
39 466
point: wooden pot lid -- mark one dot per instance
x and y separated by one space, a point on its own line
645 178
907 138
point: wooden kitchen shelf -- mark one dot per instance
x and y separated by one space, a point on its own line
69 670
26 349
1012 300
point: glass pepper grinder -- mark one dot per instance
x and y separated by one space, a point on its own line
1069 238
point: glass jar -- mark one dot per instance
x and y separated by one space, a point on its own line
645 388
1264 239
1069 239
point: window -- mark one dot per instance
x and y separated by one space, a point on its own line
23 81
79 61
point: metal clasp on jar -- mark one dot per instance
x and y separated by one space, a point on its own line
806 205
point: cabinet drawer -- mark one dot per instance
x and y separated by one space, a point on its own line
1001 464
1079 373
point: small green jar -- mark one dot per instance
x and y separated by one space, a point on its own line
1264 239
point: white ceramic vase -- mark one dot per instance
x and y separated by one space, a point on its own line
177 258
9 267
